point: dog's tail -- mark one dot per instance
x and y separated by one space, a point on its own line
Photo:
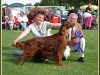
13 45
19 45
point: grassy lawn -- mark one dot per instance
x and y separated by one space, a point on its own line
71 66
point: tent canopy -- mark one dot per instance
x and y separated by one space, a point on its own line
16 5
4 4
94 7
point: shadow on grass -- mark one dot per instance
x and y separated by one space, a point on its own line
10 58
7 54
13 59
72 60
7 48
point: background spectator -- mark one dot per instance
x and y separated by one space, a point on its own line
58 13
89 9
23 20
87 20
11 23
7 11
72 10
6 18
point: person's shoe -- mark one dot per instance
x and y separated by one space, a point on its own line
81 59
63 58
46 60
76 50
89 28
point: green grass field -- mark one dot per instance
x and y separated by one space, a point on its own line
71 66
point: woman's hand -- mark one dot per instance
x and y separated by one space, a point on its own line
15 41
75 40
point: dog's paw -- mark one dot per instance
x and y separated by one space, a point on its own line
13 45
59 64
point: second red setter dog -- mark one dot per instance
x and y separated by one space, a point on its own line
53 45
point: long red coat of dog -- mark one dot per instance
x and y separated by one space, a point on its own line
53 45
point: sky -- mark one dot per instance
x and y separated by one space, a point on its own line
20 1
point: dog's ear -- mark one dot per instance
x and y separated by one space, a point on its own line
69 25
62 29
72 25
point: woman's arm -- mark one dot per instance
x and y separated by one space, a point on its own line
23 34
55 25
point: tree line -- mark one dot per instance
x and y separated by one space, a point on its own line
67 3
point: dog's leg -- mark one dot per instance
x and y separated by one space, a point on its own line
59 60
28 57
59 55
28 53
21 58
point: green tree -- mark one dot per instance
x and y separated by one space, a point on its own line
29 4
49 3
37 4
67 3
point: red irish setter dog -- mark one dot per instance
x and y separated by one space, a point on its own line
53 45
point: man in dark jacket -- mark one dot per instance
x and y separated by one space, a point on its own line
89 9
72 11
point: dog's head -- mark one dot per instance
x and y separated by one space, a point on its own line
66 25
19 45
